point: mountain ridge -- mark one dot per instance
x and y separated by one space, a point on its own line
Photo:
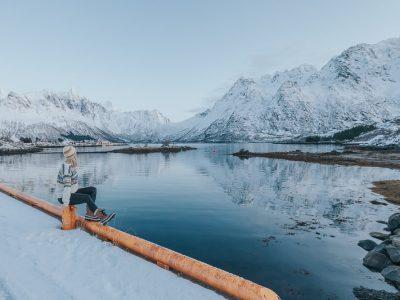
361 85
47 115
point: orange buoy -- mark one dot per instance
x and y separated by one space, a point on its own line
68 218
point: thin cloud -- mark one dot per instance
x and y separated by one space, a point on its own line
213 96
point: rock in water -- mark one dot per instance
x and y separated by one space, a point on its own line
393 252
392 273
394 221
395 240
382 222
381 247
379 235
367 244
376 260
362 293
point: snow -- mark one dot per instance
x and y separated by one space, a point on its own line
39 261
386 134
15 145
359 86
48 115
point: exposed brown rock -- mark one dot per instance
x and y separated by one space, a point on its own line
390 189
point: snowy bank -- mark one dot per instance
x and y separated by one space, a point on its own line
7 148
39 261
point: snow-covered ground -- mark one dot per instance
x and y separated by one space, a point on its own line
39 261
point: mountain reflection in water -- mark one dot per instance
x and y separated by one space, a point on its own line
291 226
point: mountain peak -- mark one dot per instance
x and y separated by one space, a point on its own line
359 86
50 115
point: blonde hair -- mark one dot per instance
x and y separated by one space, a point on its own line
72 160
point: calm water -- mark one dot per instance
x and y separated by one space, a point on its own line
239 215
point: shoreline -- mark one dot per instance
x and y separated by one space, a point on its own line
21 148
127 150
389 189
146 150
81 145
17 151
350 157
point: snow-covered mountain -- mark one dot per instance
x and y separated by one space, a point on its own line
385 134
359 86
50 116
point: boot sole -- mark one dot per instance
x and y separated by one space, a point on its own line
108 219
92 219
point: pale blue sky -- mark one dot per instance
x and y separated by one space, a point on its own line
175 56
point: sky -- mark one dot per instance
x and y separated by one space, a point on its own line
175 56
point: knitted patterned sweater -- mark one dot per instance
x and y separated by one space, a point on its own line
67 182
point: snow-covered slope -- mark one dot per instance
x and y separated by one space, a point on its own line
359 86
386 134
49 116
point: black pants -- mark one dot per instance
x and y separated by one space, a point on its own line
85 195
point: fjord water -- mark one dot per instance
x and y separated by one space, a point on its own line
290 226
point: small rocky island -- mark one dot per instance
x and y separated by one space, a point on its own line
146 150
352 156
8 148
